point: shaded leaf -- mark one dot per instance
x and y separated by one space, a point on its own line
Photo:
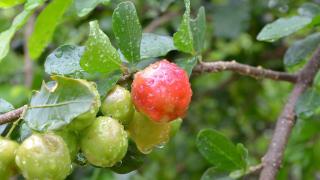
127 30
219 150
309 9
54 107
198 28
299 50
105 84
231 19
153 45
45 26
212 173
282 27
132 161
187 64
99 55
65 60
5 106
308 103
18 22
183 38
84 7
10 3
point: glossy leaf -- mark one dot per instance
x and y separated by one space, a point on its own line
183 38
5 106
127 29
213 173
56 106
84 7
99 55
187 64
220 151
18 22
153 45
198 28
45 26
282 27
10 3
65 60
299 50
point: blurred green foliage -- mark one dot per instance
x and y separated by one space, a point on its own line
242 108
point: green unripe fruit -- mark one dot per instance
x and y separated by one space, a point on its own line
7 158
105 142
44 156
175 126
118 105
148 134
87 118
71 139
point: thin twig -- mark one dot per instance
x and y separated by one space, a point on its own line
160 21
12 115
256 72
28 70
273 158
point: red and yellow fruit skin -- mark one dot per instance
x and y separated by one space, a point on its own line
162 91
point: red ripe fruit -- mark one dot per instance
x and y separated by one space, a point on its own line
162 91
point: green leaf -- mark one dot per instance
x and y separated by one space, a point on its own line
65 60
153 45
220 151
187 64
5 106
18 22
105 84
231 18
308 103
183 38
213 173
99 55
282 27
57 104
45 26
198 28
127 29
10 3
309 10
84 7
299 50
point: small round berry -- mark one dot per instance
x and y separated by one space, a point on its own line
162 91
105 142
44 156
148 134
7 157
118 105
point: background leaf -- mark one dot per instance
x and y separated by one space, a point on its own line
99 55
219 150
198 27
84 7
54 107
309 9
153 45
127 29
65 60
300 49
18 22
5 106
10 3
45 26
183 38
282 27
